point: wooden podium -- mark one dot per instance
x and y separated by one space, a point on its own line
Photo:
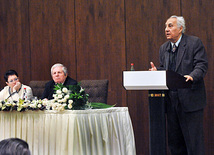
157 82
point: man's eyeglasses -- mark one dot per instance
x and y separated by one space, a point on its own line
13 80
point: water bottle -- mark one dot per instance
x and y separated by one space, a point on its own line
132 66
25 94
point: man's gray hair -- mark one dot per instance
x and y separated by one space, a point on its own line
60 65
180 22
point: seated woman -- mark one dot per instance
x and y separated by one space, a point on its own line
14 146
14 89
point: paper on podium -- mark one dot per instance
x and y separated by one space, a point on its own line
144 80
153 80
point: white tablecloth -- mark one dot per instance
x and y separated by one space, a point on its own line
72 132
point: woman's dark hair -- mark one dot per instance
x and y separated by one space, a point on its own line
8 73
14 146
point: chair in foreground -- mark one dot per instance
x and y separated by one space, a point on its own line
97 90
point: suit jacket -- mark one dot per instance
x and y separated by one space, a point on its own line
191 60
49 87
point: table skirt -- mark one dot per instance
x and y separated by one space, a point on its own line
72 132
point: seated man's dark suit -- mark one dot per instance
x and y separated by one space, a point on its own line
49 87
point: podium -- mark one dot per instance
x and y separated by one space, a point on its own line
157 82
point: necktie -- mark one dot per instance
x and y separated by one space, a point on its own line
172 60
174 48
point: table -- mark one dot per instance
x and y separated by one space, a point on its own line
72 132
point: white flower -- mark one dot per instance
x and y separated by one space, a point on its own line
55 98
70 101
60 96
0 105
60 101
81 89
53 105
25 105
39 105
60 107
48 107
44 103
54 95
64 104
40 101
64 100
65 90
8 104
54 108
28 101
67 96
19 108
58 91
32 105
69 106
36 101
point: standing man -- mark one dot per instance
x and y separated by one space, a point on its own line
59 74
185 55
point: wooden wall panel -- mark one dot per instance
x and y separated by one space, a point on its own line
199 17
14 39
52 37
100 44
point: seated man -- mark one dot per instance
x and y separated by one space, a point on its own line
59 74
14 89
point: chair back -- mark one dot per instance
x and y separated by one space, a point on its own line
38 88
97 90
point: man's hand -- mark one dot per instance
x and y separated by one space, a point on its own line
188 78
153 68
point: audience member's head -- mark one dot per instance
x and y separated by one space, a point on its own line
14 146
59 73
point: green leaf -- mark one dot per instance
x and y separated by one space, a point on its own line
58 87
96 105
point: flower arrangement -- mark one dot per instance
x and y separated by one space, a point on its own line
72 97
21 105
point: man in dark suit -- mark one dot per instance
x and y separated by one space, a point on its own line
59 74
185 55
